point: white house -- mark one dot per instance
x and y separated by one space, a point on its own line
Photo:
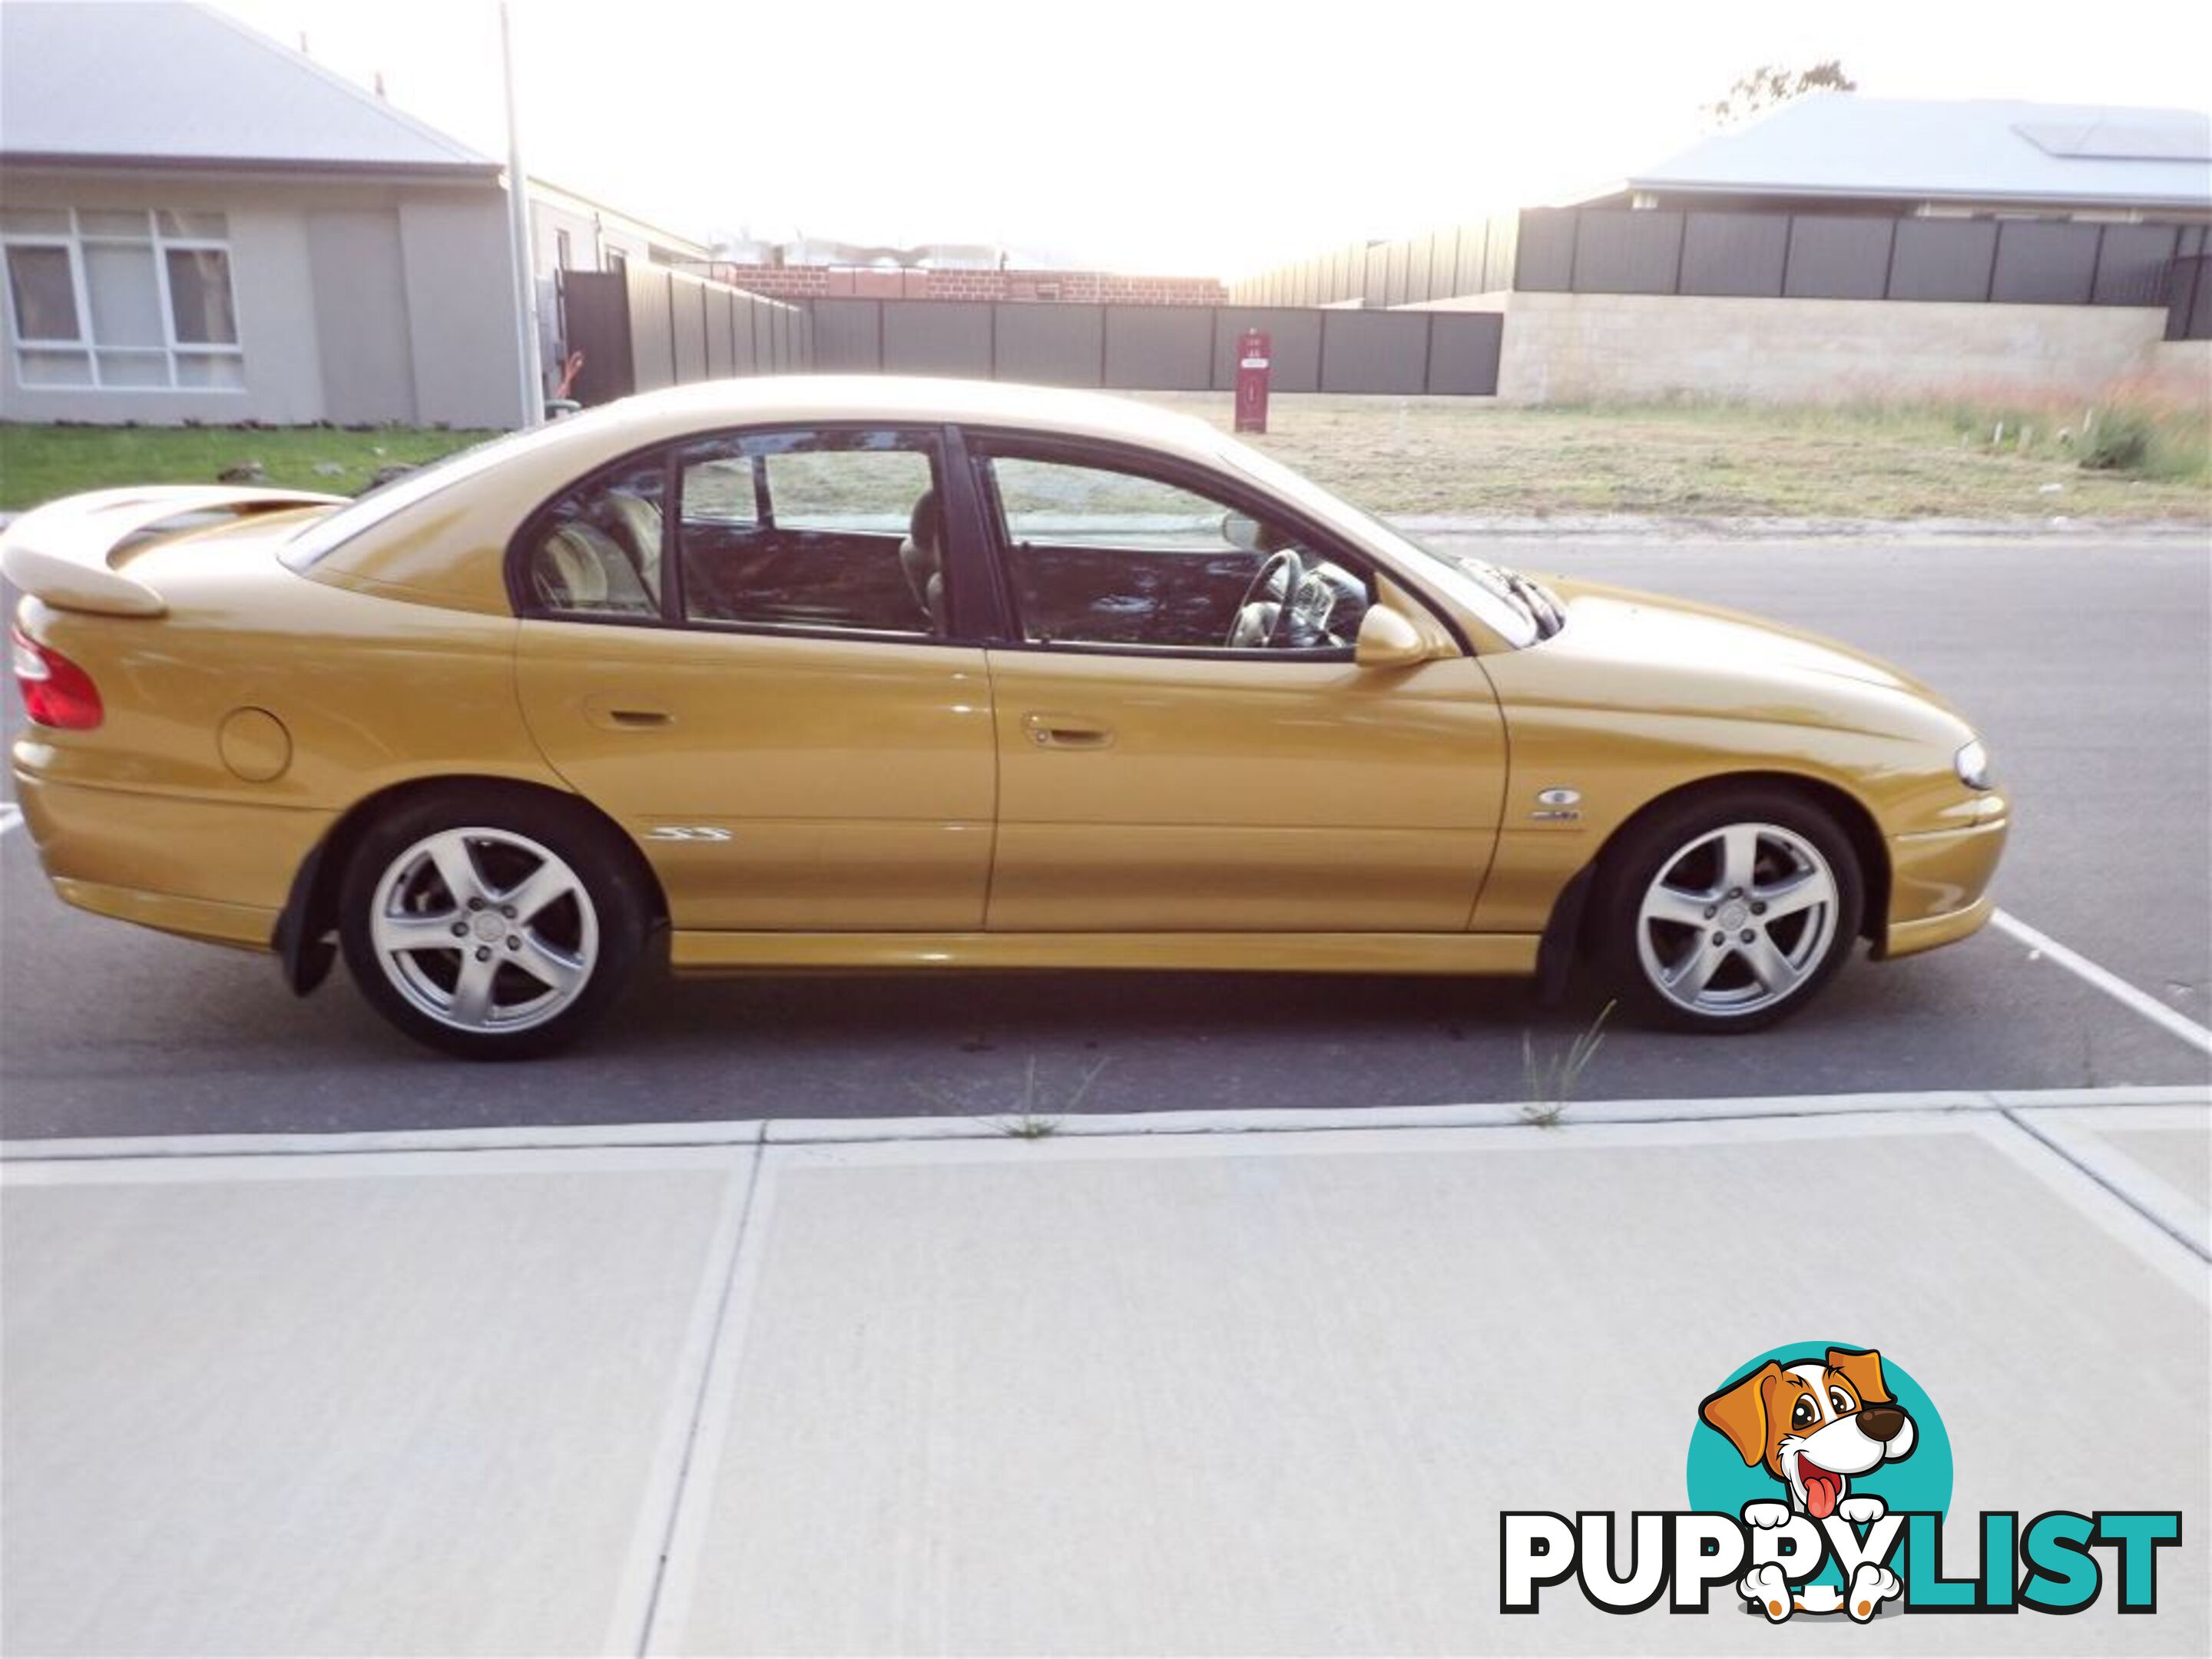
199 223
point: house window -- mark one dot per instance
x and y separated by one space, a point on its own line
563 258
122 301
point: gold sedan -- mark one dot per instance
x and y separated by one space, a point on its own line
885 673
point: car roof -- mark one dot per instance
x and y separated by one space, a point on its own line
905 398
484 497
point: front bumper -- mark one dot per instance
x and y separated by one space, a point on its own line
1939 881
211 870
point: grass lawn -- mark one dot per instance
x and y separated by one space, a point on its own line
1429 455
38 463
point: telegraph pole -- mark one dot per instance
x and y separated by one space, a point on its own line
517 224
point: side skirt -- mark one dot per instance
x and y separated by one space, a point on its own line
1505 954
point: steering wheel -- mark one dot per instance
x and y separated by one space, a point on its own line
1241 630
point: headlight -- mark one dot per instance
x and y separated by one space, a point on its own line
1973 762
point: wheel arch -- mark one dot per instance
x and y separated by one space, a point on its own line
302 939
1566 933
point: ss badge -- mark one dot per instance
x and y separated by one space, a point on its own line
686 832
1558 806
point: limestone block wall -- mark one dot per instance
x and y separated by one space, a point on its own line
1615 348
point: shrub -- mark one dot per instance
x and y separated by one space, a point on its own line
2118 438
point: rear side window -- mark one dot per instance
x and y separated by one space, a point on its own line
836 531
598 551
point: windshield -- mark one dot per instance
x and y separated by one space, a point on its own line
1509 604
373 506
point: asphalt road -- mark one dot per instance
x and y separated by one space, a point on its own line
2086 664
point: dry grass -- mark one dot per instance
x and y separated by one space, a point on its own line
1989 456
1448 455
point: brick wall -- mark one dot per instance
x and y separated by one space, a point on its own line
1093 287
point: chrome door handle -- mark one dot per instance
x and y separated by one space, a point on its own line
1067 732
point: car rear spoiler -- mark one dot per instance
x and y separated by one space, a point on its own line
64 552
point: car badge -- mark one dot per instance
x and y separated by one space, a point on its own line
1558 806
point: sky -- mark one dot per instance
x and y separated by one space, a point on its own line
1206 138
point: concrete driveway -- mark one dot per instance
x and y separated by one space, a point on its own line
810 1389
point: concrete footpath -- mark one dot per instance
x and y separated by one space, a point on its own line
1167 1384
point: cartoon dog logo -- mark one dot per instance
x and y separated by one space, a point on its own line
1814 1424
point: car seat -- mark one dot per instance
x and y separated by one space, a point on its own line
922 556
579 566
635 523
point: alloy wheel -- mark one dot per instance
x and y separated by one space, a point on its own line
484 929
1737 920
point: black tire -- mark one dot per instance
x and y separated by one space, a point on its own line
1658 844
594 932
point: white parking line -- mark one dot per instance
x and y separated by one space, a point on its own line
10 815
2085 1139
2107 982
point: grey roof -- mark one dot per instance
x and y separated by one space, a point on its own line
154 84
1843 144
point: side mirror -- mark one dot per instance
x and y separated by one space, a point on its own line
1244 532
1387 640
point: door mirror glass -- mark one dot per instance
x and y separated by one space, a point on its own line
1388 639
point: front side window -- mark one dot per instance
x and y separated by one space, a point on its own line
814 530
1096 555
596 553
122 299
1474 584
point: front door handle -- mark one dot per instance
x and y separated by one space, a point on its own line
1067 732
619 714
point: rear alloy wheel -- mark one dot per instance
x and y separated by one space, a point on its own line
1730 917
485 940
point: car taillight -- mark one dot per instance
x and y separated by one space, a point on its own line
56 691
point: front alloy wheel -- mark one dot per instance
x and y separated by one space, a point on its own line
1727 911
1736 919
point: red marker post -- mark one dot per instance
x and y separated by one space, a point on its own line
1254 353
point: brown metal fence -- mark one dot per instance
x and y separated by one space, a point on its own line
1160 348
1475 257
649 327
645 326
2188 299
1754 252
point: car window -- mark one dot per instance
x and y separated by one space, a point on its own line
724 490
596 551
1098 555
857 489
813 530
1467 582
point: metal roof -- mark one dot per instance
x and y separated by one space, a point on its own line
153 83
1843 144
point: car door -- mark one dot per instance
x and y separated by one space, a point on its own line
734 647
1153 777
